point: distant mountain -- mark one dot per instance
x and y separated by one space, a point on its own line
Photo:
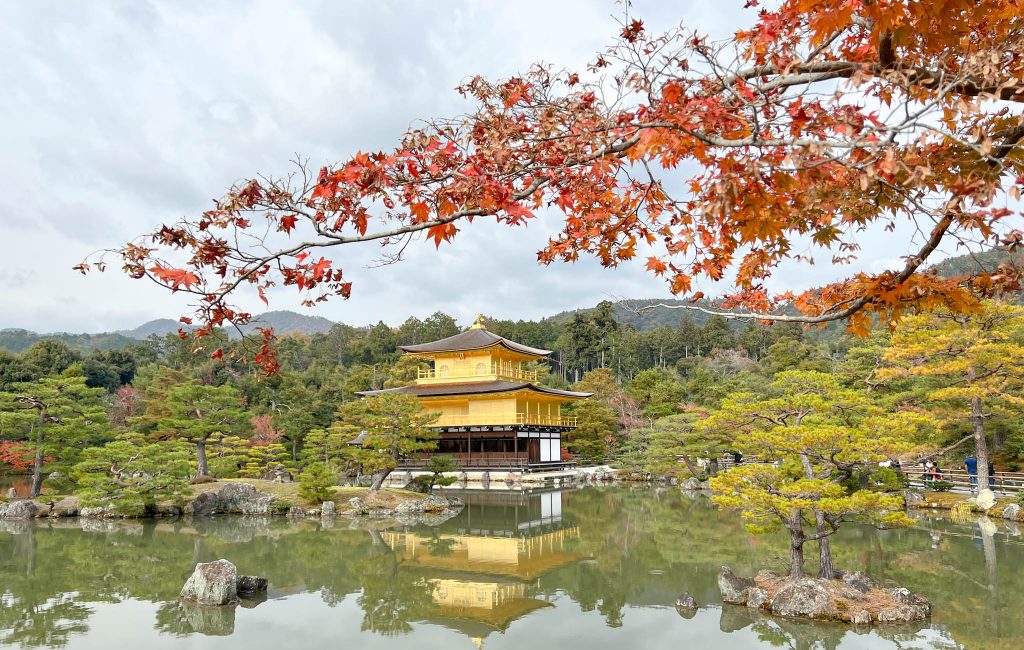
160 327
19 340
289 322
975 262
283 322
627 312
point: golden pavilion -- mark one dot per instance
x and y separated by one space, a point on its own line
494 415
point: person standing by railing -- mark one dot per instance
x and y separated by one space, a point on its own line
971 466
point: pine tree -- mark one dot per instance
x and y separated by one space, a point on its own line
202 415
973 366
133 474
396 427
57 417
812 435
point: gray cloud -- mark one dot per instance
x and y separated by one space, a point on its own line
119 116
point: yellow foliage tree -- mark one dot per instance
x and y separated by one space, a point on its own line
810 436
974 364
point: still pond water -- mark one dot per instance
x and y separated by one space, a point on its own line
591 568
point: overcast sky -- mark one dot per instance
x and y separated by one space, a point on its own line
118 116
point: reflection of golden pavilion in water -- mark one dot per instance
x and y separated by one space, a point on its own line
485 567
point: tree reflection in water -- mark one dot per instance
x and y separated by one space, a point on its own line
610 551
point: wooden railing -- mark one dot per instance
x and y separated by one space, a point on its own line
489 459
496 370
1009 482
520 418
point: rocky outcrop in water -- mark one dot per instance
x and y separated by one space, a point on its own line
248 586
18 510
212 584
244 499
734 589
802 598
1011 512
853 597
690 484
217 583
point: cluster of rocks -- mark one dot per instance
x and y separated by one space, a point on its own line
431 504
692 485
233 499
852 597
217 583
598 476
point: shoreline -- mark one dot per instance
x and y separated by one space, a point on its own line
244 497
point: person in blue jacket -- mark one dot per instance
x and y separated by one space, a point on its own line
971 465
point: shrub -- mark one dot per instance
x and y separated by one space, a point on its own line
316 483
941 486
437 466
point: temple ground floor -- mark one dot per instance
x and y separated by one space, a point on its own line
515 447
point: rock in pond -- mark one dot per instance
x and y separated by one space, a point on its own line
250 585
21 509
757 598
803 597
434 503
734 589
244 499
212 584
690 484
327 509
909 607
1011 512
986 499
686 601
203 505
96 512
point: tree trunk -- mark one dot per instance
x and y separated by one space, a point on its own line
980 443
827 570
37 463
712 466
378 480
204 469
796 548
694 470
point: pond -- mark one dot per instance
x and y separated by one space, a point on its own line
20 482
592 568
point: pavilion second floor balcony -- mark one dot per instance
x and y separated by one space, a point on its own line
447 420
479 372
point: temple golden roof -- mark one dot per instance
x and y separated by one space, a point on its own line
476 337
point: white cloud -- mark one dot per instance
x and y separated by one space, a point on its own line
119 116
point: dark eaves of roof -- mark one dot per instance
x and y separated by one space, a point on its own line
473 339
